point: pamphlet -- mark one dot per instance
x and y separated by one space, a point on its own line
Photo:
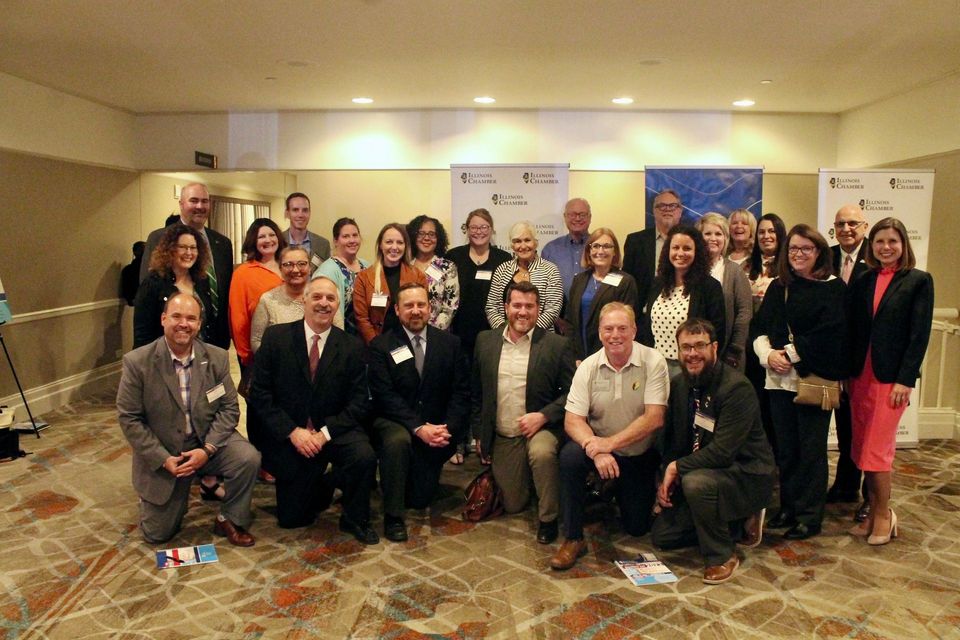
186 556
646 569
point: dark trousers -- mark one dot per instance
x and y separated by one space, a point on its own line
695 517
635 491
758 377
801 456
848 475
300 490
409 468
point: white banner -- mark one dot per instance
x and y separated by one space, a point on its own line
511 193
905 194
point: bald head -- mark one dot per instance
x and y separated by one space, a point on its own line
850 226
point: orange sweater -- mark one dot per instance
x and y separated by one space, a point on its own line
250 281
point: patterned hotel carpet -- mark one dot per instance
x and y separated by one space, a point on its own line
73 566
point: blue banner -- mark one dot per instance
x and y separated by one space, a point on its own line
704 189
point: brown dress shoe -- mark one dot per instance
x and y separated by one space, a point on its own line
720 573
753 530
235 534
566 556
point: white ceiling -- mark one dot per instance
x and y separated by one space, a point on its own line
216 55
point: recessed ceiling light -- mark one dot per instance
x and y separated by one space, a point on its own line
623 100
484 100
766 82
362 100
746 102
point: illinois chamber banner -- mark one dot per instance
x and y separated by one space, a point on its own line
5 315
511 193
905 194
704 189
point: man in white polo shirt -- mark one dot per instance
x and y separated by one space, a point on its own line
615 407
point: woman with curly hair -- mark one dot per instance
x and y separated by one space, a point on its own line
443 285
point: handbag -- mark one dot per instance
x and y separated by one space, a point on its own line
484 498
812 389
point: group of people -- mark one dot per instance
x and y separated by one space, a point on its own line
671 369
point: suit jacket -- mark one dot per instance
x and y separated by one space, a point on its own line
639 256
152 415
859 267
897 335
222 251
738 311
440 396
625 292
319 247
284 396
549 372
737 444
370 319
706 301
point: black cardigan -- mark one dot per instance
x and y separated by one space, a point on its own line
706 302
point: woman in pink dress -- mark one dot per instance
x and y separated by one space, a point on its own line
890 314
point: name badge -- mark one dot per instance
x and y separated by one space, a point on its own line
433 273
601 385
217 392
484 275
612 279
400 354
379 300
704 421
315 260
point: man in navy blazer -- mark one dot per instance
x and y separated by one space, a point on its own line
178 409
310 393
850 227
421 394
194 211
641 251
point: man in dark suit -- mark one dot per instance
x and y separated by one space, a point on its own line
310 393
194 211
718 463
421 394
297 234
641 251
178 409
850 227
521 375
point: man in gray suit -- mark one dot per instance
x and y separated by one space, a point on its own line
719 468
297 234
178 409
521 375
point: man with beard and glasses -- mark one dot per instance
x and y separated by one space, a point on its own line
718 464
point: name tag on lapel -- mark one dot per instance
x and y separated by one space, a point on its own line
379 300
704 421
315 259
401 354
484 275
217 392
612 279
434 273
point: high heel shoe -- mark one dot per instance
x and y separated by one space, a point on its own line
877 540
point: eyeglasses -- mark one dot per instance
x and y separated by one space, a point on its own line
578 215
850 224
432 235
299 264
696 346
483 228
187 248
597 246
667 206
803 251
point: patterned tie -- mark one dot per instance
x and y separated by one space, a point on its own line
314 355
418 354
847 269
694 408
212 279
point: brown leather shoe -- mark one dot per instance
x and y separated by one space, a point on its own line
566 556
235 534
753 530
720 573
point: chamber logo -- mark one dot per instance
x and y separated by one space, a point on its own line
846 183
906 183
473 177
509 200
875 205
540 177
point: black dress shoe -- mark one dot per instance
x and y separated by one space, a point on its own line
863 512
547 532
801 531
836 495
394 529
364 533
782 520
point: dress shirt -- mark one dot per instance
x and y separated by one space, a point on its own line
324 336
512 383
182 367
566 252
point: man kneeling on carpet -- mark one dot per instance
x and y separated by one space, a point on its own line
178 409
718 473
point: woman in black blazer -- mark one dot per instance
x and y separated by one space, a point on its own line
890 313
682 289
802 330
603 281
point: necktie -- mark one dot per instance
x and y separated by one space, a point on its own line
418 354
694 408
212 279
847 269
314 355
